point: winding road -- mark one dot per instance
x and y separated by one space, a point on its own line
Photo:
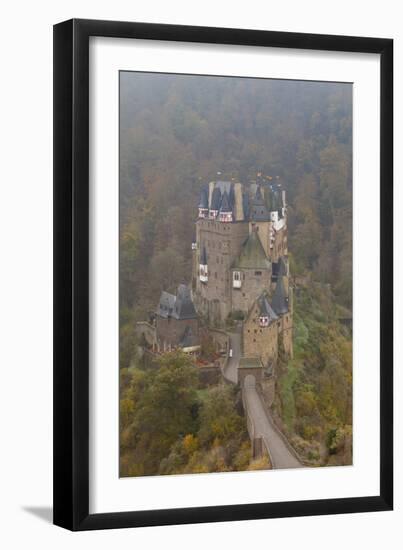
231 369
280 453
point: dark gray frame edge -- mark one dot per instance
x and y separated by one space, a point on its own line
71 274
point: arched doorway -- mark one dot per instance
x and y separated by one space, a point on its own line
249 381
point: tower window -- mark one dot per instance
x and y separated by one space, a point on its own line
236 279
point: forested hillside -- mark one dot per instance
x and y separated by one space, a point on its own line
171 424
176 133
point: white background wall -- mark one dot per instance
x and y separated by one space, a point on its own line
26 273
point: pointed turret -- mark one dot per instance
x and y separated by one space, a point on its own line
252 255
203 204
184 308
225 210
278 269
215 203
266 313
258 209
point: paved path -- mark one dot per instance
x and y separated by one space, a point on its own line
231 369
281 455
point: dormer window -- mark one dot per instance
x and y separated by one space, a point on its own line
225 217
263 321
213 214
203 213
236 279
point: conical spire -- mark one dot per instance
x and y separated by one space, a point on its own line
265 309
216 199
252 254
225 206
184 308
203 203
258 210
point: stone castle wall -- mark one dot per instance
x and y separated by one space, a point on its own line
222 242
217 297
171 330
260 341
280 244
253 281
264 232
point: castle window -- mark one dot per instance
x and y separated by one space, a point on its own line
258 273
263 321
236 279
203 270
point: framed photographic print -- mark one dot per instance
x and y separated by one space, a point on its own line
223 320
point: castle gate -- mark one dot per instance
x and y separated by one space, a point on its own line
250 371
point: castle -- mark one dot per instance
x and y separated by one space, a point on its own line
240 271
240 264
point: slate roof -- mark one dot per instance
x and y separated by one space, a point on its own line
255 205
179 306
252 254
249 362
279 300
278 269
166 304
225 205
216 199
265 308
188 339
203 203
184 308
258 210
224 186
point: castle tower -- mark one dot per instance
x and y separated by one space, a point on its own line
259 217
203 267
215 203
240 249
203 204
225 215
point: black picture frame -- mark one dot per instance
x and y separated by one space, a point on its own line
71 274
